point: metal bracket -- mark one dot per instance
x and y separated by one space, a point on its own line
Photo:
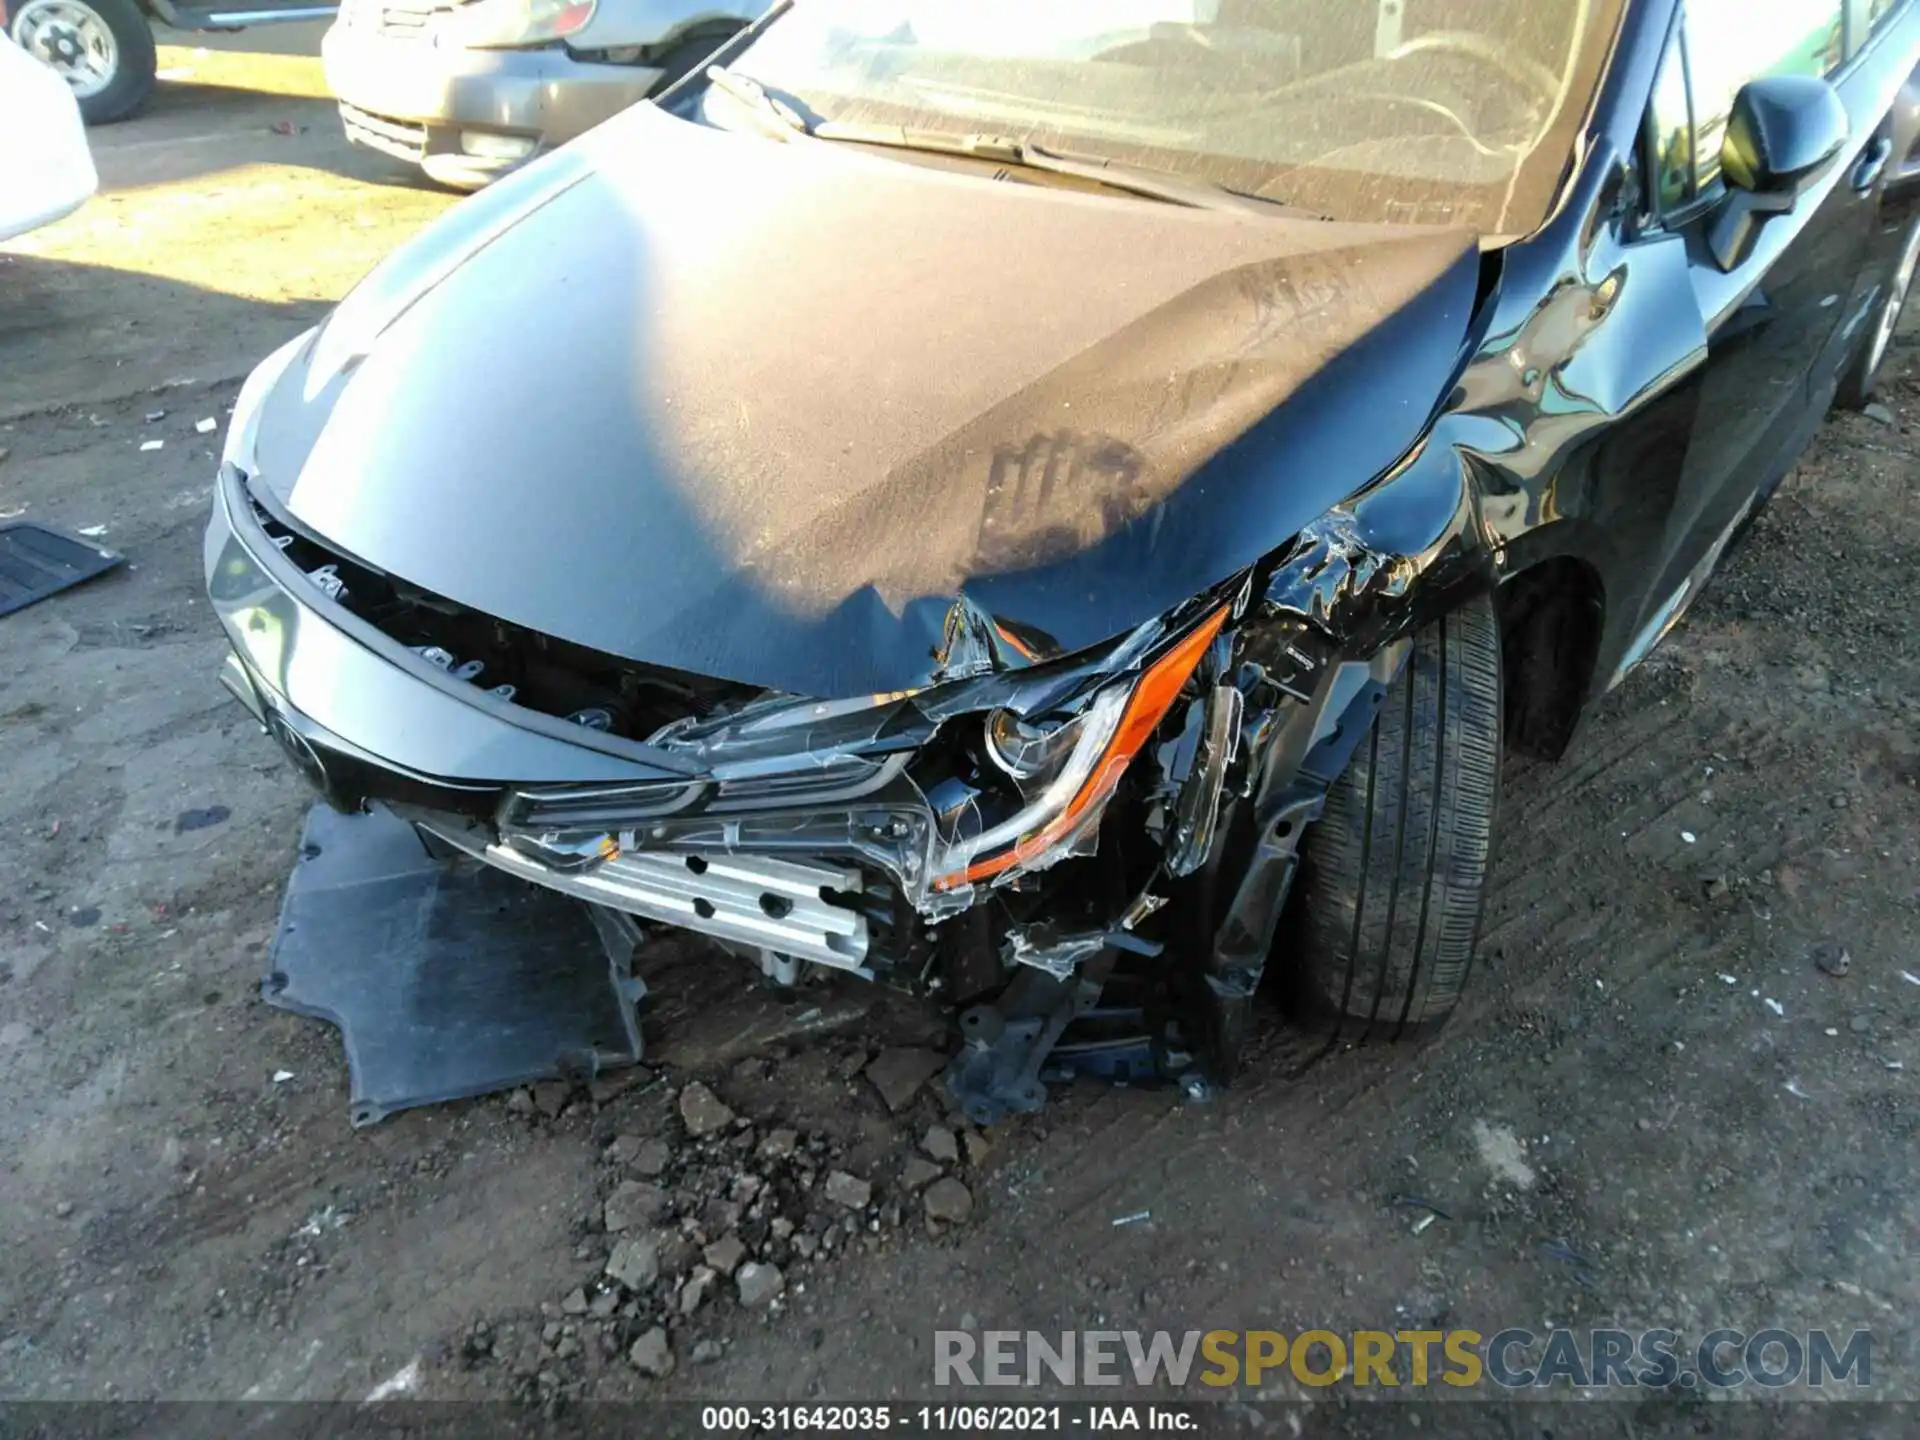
1341 715
1007 1042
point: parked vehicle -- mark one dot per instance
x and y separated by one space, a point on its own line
104 49
470 90
1066 509
54 175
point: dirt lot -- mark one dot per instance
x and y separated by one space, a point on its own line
1654 1109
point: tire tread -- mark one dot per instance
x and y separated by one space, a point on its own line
1387 912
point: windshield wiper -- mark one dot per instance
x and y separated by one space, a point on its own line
1135 180
1153 184
751 94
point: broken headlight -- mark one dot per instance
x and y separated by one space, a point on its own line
1067 772
1025 751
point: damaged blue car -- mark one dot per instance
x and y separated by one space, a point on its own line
1066 508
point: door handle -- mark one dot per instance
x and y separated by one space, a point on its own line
1873 164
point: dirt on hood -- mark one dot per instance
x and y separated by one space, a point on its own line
766 410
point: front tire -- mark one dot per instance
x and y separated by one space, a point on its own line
1862 378
1385 912
103 49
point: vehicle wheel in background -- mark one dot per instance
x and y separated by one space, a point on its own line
1385 911
103 49
1862 377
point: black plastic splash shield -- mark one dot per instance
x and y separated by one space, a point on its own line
446 978
37 561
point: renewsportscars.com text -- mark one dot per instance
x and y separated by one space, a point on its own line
1511 1359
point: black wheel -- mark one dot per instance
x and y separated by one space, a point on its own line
1385 911
1862 377
102 48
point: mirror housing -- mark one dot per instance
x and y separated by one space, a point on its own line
1782 133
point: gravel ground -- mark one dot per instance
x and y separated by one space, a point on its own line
1655 1108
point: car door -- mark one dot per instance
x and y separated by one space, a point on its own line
1881 88
1771 318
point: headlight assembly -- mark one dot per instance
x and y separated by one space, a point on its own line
497 24
1026 752
244 427
1071 771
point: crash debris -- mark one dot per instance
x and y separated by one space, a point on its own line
38 561
728 1220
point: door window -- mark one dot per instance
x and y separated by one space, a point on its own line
1670 135
1730 42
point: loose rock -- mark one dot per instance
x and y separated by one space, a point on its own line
758 1283
940 1144
917 1172
550 1097
575 1302
622 1149
651 1354
898 1073
634 1203
699 1285
779 1144
635 1262
726 1253
848 1190
705 1352
1878 413
1832 959
653 1158
702 1111
948 1201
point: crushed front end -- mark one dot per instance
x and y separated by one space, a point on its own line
1084 855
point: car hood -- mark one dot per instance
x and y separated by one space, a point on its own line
796 414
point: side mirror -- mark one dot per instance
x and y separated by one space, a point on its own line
1781 133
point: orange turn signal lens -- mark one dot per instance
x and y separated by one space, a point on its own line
1152 697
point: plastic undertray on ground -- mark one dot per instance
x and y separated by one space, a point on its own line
446 978
37 561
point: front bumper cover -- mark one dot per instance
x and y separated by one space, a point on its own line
314 675
410 97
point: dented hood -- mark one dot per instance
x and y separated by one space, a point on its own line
778 412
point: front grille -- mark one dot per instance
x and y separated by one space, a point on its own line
586 808
391 137
809 784
509 662
407 19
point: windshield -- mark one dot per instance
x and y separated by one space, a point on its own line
1442 112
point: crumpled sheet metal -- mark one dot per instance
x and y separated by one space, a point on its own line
1331 564
997 435
446 979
